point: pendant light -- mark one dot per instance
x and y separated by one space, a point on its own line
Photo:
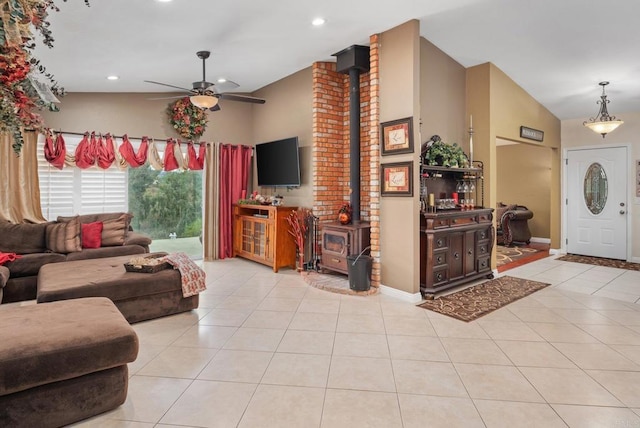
603 123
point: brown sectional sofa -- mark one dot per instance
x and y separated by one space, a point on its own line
58 241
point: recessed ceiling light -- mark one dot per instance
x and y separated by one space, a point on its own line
318 22
112 77
164 1
222 80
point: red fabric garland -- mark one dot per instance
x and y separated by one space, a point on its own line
106 155
86 151
170 161
54 153
196 162
134 159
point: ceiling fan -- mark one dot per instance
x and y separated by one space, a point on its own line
204 94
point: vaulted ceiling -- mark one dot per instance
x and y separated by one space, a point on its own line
557 50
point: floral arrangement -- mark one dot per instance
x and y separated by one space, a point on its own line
19 98
188 120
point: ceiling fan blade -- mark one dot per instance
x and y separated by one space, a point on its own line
170 86
169 98
215 108
242 98
226 85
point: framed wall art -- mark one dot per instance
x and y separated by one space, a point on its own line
397 179
397 136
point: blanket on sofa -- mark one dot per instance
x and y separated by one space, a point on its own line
193 277
8 257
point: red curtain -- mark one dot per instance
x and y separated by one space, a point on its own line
106 154
235 164
196 161
86 152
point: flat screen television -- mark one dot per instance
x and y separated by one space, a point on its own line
278 163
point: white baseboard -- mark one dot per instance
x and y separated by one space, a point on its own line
400 295
635 259
554 251
541 240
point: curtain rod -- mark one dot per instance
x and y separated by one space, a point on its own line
116 136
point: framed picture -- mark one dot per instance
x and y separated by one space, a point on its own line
397 179
397 136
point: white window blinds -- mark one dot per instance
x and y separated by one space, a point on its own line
73 190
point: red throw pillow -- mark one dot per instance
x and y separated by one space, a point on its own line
92 235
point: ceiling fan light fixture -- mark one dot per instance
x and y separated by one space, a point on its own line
203 101
603 123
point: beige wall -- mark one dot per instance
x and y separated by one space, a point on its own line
524 178
442 97
288 113
136 115
499 107
575 135
399 66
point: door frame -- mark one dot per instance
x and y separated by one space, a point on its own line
630 192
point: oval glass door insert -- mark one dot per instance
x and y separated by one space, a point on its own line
596 188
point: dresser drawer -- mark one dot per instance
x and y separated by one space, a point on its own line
440 241
440 276
439 223
483 234
485 218
482 249
462 221
484 264
440 258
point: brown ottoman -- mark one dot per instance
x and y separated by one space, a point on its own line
63 361
139 296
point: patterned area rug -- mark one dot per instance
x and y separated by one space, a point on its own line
473 302
600 261
506 255
334 282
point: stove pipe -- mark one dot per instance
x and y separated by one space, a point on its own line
354 60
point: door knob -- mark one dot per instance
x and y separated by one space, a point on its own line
621 211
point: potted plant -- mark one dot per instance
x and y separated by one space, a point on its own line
443 154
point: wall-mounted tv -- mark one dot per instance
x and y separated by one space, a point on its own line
278 163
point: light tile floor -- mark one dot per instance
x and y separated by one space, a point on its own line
267 350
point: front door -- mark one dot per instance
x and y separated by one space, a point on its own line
597 202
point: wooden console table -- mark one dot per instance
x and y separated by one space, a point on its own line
260 233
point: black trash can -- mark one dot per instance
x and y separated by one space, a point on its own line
359 270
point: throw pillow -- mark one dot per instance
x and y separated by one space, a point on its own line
114 231
64 237
92 235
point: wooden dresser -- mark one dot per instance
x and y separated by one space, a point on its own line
261 233
455 248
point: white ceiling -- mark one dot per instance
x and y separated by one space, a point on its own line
557 50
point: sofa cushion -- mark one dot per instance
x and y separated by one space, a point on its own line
22 238
30 264
92 234
91 218
114 231
64 237
41 344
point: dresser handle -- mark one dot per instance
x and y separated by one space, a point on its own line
456 256
335 260
439 277
454 221
439 242
439 259
470 252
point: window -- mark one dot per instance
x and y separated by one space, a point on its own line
79 191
